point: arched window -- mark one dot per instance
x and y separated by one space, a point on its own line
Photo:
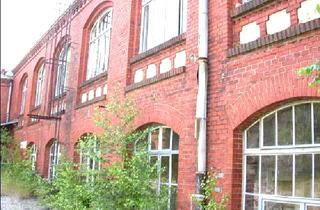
62 70
99 45
54 154
33 156
282 159
39 86
163 148
24 90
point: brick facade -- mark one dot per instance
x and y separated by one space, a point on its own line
245 82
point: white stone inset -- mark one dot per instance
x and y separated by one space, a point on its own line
98 91
23 145
84 98
91 95
249 33
165 65
308 11
180 59
138 76
105 89
151 71
278 21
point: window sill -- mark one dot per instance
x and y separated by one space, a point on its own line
94 79
174 41
249 6
155 79
277 37
60 96
93 101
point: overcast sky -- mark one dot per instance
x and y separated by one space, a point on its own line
23 22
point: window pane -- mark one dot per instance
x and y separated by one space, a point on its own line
303 124
175 141
251 202
173 196
252 174
253 136
166 133
284 175
316 113
153 162
154 139
313 207
269 130
174 170
267 174
165 169
285 126
281 206
303 175
171 19
317 175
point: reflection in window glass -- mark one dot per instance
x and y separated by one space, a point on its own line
154 139
285 126
303 124
284 183
281 206
253 136
317 175
166 132
174 169
303 175
251 202
269 130
175 141
316 113
252 182
267 174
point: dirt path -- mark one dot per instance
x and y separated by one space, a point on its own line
13 203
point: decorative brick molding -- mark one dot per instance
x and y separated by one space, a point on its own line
94 79
174 41
280 36
88 103
155 79
249 6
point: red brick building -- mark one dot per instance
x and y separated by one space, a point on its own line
262 130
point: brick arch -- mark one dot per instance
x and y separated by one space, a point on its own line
161 114
264 95
95 14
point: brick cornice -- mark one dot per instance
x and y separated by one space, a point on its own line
249 6
277 37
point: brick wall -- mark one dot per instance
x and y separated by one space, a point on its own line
5 84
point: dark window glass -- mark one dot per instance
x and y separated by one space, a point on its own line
281 206
164 169
267 174
303 175
175 141
284 175
251 202
316 113
154 139
303 124
285 127
253 136
166 133
252 181
269 131
174 169
317 175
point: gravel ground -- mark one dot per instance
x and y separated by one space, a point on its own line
13 203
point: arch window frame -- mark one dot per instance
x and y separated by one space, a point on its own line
98 54
62 70
39 85
283 160
54 155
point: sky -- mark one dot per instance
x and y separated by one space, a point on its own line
23 22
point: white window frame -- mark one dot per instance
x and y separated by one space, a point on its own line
24 93
163 153
98 54
54 155
39 86
62 70
292 150
163 10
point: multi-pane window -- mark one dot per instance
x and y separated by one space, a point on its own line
164 150
282 159
62 70
33 156
161 20
39 86
54 154
24 91
99 45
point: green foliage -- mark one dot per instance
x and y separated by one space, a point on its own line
312 71
210 202
10 151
